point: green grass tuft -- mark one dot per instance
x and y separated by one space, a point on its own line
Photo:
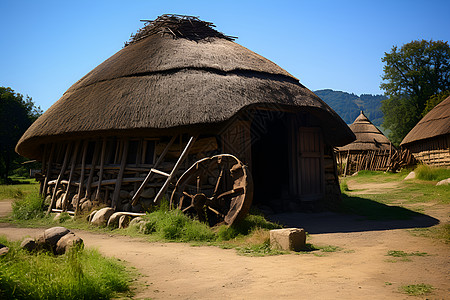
78 274
424 172
399 253
417 289
28 207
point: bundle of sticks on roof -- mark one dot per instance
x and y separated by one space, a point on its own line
178 26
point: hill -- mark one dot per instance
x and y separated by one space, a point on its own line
348 106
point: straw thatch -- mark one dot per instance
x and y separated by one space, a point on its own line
162 81
368 136
435 123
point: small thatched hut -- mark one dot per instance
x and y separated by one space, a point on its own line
429 140
370 151
178 77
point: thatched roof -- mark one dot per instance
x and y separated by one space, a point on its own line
435 123
368 136
164 80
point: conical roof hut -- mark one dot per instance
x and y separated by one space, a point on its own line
429 140
178 75
368 136
370 150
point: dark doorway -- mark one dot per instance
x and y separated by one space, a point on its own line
270 166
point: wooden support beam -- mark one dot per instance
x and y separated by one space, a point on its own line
61 174
92 169
347 163
65 203
49 168
116 194
102 164
80 187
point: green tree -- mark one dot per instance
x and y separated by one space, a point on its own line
412 74
16 115
435 100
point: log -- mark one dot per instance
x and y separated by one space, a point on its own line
49 167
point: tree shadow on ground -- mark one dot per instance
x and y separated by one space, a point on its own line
354 215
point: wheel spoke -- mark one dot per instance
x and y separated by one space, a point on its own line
185 209
216 212
186 194
233 191
218 181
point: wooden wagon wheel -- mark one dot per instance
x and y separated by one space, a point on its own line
216 190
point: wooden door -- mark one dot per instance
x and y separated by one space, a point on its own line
310 174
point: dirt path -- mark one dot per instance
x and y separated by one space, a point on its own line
360 270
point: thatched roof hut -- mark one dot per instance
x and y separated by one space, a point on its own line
429 140
370 145
178 75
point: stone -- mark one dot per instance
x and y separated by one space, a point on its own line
444 182
50 237
124 194
411 175
58 204
68 241
126 207
48 200
113 220
290 239
86 205
3 250
136 208
89 217
28 244
101 217
124 221
135 221
148 193
74 200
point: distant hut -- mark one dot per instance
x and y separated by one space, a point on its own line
178 78
370 151
429 140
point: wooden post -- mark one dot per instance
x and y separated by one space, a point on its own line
92 171
102 164
49 167
72 169
58 181
116 194
44 157
80 186
347 163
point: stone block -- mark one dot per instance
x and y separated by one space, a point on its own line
289 239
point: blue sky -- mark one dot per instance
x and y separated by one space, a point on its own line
46 46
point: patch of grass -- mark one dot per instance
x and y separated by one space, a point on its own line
28 207
344 186
417 289
425 172
78 274
399 253
263 249
330 248
440 232
17 191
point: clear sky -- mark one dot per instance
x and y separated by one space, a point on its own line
46 46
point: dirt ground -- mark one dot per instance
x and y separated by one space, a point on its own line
360 270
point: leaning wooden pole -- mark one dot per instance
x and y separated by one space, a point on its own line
58 181
116 194
65 202
49 168
80 186
102 165
92 171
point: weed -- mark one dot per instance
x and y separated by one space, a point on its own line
440 232
330 248
263 249
417 289
399 253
